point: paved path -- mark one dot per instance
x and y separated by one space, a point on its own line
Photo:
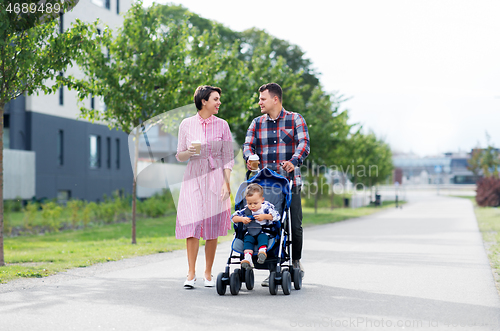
420 268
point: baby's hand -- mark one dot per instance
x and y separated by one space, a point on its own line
246 220
260 217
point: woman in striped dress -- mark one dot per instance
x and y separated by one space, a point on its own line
204 205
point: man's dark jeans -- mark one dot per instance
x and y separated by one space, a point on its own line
296 215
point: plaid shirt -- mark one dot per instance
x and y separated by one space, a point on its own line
276 141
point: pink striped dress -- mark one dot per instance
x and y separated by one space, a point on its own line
200 211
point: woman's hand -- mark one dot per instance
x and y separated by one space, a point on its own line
191 150
224 192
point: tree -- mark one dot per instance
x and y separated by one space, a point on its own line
261 58
490 161
328 130
485 161
475 161
30 58
146 69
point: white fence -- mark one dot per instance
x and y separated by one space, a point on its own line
18 174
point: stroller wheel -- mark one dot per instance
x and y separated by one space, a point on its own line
241 275
234 283
286 282
297 280
249 279
272 283
221 287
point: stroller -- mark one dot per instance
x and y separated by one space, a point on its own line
277 190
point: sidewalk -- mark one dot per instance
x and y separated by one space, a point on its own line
424 263
423 267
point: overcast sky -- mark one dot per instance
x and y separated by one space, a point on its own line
424 75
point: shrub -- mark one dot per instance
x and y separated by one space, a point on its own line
106 211
74 207
7 228
51 216
88 213
488 192
13 205
157 205
122 206
30 214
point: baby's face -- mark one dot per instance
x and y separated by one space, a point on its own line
254 202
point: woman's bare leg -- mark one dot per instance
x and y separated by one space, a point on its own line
192 246
210 248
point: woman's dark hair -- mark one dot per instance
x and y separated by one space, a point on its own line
203 93
274 90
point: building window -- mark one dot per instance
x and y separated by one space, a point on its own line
107 4
6 131
63 196
99 3
117 153
60 147
95 151
61 92
118 6
61 22
92 102
108 155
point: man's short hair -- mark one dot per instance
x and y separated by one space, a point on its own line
254 188
274 89
203 93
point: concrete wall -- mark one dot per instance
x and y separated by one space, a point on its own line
18 174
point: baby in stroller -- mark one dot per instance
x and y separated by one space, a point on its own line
254 215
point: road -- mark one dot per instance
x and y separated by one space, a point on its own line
423 267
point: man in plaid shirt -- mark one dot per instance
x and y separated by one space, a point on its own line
280 139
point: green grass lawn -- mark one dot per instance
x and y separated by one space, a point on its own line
488 220
47 254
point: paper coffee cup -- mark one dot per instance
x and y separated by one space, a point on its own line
197 146
254 162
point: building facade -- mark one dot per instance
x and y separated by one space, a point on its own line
447 168
73 157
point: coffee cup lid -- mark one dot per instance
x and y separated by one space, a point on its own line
196 142
253 157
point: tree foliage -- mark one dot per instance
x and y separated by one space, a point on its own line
150 66
29 61
485 161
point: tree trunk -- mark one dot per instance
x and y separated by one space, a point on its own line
2 259
316 196
134 187
344 182
332 196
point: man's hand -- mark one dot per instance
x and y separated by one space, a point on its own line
248 165
288 166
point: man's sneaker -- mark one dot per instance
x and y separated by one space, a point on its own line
265 282
261 258
297 264
245 264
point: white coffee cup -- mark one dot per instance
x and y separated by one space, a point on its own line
254 162
197 145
